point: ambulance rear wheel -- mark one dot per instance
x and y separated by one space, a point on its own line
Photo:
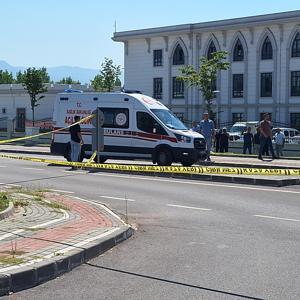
187 162
164 157
102 160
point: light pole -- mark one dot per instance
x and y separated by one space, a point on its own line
216 92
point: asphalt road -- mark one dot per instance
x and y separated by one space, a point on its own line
195 240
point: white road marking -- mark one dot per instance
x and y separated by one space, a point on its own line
6 235
65 217
189 207
35 169
103 206
3 166
11 184
196 183
61 191
117 198
75 172
277 218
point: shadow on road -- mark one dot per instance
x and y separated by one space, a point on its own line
173 282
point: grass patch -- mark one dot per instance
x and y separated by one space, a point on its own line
12 252
4 201
32 229
10 260
36 195
56 205
20 203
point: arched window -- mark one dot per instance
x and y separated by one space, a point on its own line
238 52
267 49
296 46
178 57
211 49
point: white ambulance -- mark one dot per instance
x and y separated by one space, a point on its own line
135 126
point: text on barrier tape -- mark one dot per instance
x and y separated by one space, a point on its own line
162 169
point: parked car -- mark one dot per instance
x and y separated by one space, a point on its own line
292 135
237 130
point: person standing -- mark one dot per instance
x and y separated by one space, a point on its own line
266 136
207 129
256 141
217 140
248 141
279 142
195 126
224 140
76 140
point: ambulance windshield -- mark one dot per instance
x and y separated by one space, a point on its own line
169 119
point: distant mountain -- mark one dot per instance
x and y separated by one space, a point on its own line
57 73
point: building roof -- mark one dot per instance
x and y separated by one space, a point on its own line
260 20
52 88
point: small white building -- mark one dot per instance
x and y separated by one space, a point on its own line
264 52
15 106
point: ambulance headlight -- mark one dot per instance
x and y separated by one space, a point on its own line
183 138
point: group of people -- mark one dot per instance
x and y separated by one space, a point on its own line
260 142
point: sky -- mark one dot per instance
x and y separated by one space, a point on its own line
78 33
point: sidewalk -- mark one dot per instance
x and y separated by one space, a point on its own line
11 148
254 162
50 234
238 161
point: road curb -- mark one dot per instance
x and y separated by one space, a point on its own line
244 180
28 277
273 181
205 164
25 152
245 165
238 179
7 212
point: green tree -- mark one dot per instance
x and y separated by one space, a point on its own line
108 77
206 77
35 85
45 75
68 80
118 82
20 76
6 77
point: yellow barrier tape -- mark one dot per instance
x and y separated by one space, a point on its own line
91 159
45 133
163 169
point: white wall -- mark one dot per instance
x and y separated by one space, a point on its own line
139 70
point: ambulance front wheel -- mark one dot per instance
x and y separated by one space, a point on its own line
164 157
187 162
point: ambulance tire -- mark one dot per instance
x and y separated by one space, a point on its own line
187 162
101 161
164 157
203 157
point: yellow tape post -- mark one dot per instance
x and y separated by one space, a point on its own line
44 133
162 169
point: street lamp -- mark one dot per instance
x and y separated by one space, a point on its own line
217 104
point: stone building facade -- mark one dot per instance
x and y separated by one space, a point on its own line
264 52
